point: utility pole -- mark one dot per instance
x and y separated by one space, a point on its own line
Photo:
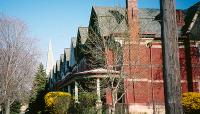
171 66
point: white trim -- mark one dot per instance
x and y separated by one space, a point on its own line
99 70
192 23
156 46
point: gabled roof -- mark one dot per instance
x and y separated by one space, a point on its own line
72 60
106 11
67 53
113 20
108 18
148 22
83 32
58 65
73 42
62 57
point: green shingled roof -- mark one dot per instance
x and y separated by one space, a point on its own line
111 20
148 23
108 21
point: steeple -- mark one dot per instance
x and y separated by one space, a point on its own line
50 59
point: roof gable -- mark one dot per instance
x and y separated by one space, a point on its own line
83 34
113 20
110 20
67 54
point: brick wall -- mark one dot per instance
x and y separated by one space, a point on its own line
145 82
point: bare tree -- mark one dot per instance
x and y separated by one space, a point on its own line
18 59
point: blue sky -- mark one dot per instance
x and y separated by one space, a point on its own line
58 20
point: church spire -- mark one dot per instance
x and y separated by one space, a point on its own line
50 59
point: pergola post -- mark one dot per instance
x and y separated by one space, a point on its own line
76 92
98 90
69 89
98 102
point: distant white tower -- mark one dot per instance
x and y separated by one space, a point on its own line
50 59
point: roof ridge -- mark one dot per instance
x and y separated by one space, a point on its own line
106 7
82 27
120 7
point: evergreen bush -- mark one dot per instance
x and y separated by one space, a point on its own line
36 100
15 107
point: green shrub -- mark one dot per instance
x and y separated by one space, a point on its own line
15 107
86 104
191 103
57 102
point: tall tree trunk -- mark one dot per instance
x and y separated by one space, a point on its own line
171 65
7 107
113 109
113 102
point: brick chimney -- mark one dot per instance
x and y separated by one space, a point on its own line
130 53
133 19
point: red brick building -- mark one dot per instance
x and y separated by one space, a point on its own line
141 59
145 85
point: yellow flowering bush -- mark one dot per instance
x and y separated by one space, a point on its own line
191 103
57 102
